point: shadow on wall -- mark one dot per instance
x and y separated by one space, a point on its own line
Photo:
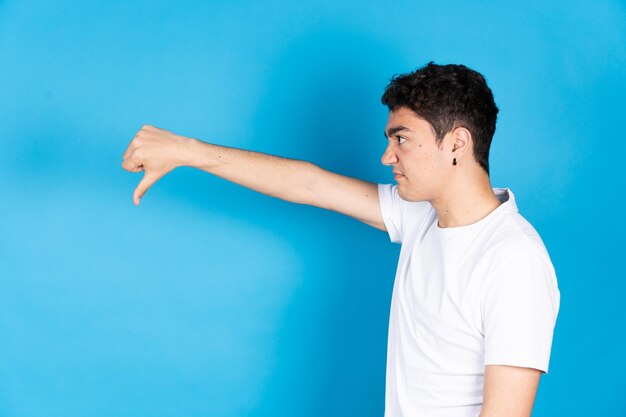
322 103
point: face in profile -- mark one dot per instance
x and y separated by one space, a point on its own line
416 161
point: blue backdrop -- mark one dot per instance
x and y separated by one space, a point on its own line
212 300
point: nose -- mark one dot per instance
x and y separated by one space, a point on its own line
389 156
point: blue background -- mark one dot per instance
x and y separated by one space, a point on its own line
212 300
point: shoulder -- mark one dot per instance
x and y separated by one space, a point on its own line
514 236
514 260
512 231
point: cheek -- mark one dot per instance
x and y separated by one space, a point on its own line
418 162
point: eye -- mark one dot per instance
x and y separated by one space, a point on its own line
401 139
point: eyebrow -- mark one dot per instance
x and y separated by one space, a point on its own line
394 130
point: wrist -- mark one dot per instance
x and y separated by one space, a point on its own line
199 154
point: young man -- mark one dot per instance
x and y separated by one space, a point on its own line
475 297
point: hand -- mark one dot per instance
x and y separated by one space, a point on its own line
156 152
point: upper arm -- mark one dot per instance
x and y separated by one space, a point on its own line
519 307
350 196
509 390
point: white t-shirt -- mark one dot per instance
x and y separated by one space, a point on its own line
464 297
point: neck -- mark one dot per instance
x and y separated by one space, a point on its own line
465 201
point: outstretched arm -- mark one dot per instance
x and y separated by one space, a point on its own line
157 151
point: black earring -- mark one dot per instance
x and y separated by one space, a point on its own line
454 161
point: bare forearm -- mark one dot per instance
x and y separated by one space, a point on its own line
157 151
284 178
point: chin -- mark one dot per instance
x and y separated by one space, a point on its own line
402 192
408 195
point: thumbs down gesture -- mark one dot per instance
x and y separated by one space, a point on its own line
156 152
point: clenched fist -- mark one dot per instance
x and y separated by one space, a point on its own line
156 152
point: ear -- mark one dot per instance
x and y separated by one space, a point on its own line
461 142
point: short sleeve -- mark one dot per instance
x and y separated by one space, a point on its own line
519 309
401 216
392 209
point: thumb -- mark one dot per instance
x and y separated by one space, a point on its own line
149 178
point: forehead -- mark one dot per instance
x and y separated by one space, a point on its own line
406 117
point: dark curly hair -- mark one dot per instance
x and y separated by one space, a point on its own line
448 96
